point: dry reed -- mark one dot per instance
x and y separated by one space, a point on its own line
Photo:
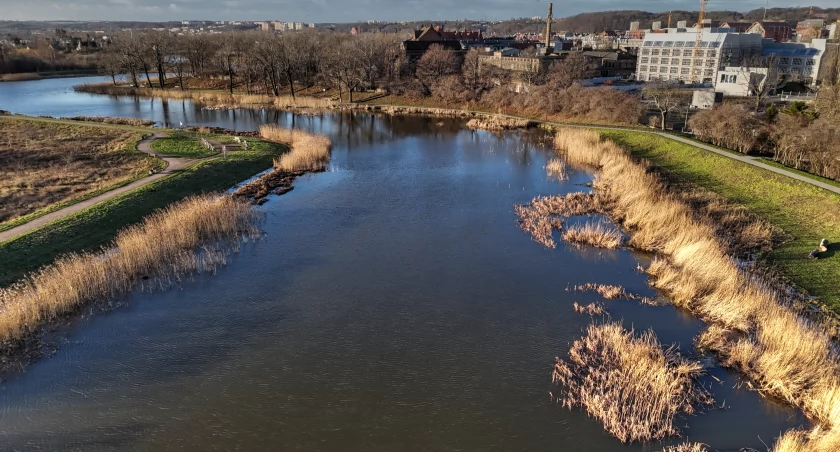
556 168
630 383
217 98
195 234
591 309
307 152
607 291
547 213
686 447
753 327
498 123
114 120
597 235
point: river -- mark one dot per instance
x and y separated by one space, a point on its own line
393 305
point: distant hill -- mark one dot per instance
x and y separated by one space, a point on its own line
620 20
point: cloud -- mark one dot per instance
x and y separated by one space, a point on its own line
336 10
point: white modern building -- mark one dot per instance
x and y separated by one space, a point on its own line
740 81
797 60
670 55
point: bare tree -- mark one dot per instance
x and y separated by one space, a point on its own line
471 69
112 63
340 65
159 45
227 52
436 63
828 97
761 86
571 69
666 98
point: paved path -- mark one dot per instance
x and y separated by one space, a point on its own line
173 165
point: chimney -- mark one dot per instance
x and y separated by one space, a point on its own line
548 31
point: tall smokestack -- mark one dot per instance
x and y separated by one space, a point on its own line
548 31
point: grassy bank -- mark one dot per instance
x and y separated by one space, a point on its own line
92 228
183 145
805 213
48 165
195 234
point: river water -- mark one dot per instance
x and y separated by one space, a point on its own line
392 305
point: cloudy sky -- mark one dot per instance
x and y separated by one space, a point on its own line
338 10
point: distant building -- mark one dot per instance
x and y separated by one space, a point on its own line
439 34
353 31
682 24
656 25
265 26
740 81
279 26
739 27
798 60
298 25
634 25
670 55
777 31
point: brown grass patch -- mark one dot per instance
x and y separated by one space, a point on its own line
556 168
607 291
598 235
45 163
629 382
686 447
114 120
755 330
546 213
195 234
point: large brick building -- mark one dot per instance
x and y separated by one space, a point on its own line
777 31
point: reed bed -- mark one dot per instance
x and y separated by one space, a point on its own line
629 382
598 235
218 98
686 447
591 309
607 291
754 329
307 152
556 168
544 214
195 234
499 123
114 120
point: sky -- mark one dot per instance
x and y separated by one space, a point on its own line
340 10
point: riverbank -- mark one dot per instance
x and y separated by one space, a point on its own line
96 226
29 76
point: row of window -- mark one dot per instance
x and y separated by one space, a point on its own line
676 52
672 70
712 44
676 61
796 61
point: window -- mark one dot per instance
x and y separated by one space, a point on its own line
704 44
675 61
687 52
728 78
710 63
699 53
715 45
810 62
797 61
708 72
645 60
685 71
663 69
647 44
645 51
642 68
686 62
679 44
809 71
666 52
674 70
657 43
711 53
654 61
655 52
784 60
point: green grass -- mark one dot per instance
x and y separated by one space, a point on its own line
801 173
96 226
181 145
806 213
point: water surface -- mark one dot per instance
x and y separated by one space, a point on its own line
393 304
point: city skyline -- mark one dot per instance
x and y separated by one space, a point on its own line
321 11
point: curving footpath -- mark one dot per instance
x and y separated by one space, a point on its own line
173 164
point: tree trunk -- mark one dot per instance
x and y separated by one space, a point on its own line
114 79
664 114
291 84
230 75
161 76
146 71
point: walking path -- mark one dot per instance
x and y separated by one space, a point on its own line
173 164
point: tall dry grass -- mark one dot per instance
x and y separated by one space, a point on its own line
307 151
210 97
629 382
598 235
498 123
192 235
686 447
544 214
754 329
556 168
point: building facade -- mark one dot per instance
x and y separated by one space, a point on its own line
777 31
670 56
